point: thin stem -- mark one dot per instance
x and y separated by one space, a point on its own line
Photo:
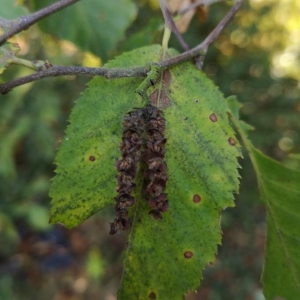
165 41
169 22
23 62
133 72
26 21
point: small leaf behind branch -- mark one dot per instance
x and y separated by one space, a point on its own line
7 54
10 10
280 191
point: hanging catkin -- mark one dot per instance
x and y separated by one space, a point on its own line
144 140
133 127
154 156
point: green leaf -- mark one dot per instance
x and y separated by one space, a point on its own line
7 55
280 191
86 174
144 36
202 164
93 25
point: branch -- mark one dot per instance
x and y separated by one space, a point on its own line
169 22
133 72
207 42
62 70
7 24
26 21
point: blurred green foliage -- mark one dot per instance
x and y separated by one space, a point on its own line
256 58
93 25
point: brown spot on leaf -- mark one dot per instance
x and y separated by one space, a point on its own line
92 158
196 101
196 198
232 141
152 295
213 118
188 254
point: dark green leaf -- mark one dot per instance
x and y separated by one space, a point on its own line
93 25
145 36
280 190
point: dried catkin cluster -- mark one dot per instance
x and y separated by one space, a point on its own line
143 140
154 154
130 146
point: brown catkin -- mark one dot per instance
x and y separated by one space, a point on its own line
133 128
154 157
151 149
